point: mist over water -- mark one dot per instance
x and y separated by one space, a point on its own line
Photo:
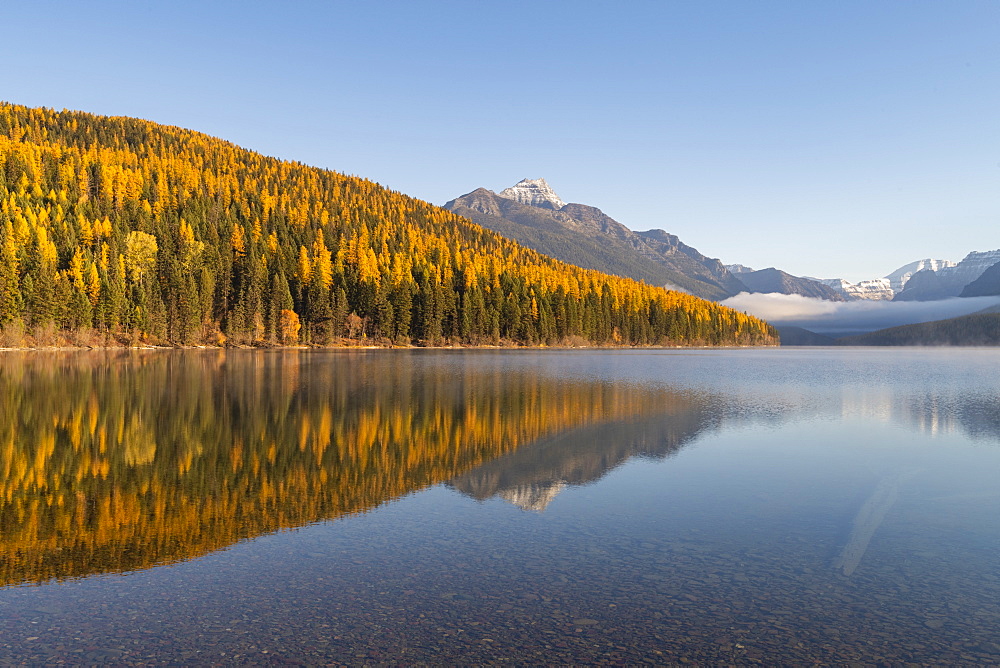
825 317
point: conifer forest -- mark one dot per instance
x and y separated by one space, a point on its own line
120 231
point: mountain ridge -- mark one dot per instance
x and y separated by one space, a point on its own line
533 214
930 284
773 280
987 285
585 236
934 280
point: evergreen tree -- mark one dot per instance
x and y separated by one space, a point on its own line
279 300
11 300
166 235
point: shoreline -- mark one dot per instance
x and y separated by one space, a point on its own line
66 348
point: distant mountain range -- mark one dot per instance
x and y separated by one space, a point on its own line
531 213
922 280
987 285
775 280
899 277
950 281
873 289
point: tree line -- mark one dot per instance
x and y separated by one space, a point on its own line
120 230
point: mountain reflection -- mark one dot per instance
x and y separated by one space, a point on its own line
112 462
532 476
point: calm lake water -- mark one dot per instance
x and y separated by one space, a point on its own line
368 507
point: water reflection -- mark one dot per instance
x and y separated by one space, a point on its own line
934 413
777 507
121 461
532 476
113 462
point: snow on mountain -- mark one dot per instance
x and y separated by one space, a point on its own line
987 285
944 276
587 237
535 192
838 284
889 286
533 496
949 281
898 278
971 267
873 289
738 268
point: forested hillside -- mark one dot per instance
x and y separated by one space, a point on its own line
978 329
122 230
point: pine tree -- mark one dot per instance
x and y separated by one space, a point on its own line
11 300
158 233
279 300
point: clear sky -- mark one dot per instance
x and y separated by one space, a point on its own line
830 139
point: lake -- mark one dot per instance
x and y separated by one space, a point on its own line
519 506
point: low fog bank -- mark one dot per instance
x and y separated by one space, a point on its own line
837 318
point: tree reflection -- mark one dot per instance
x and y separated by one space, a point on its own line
112 462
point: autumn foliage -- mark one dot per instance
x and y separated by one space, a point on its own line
122 230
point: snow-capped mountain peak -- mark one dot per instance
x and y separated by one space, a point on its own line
738 269
898 278
874 289
535 192
972 265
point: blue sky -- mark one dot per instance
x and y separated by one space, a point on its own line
831 139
